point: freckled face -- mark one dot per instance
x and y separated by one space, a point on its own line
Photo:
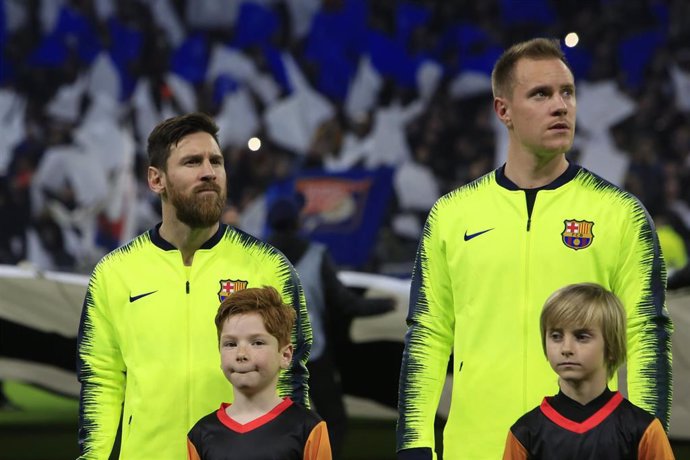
251 358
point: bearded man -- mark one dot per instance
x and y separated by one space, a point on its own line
147 356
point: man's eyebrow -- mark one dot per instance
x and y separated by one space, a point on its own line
191 155
199 155
538 88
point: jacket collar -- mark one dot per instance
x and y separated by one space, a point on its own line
568 175
158 240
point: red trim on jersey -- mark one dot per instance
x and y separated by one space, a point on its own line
598 417
237 427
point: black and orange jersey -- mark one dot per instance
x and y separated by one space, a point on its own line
287 432
618 430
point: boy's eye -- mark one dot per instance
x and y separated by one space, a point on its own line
229 344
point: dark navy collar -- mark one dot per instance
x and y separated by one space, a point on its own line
568 175
597 403
158 240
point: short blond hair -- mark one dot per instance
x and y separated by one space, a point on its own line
502 75
588 304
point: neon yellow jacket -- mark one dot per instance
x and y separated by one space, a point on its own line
147 340
483 271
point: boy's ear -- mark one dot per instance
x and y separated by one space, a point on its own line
286 356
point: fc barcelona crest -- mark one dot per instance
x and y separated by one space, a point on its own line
577 234
227 287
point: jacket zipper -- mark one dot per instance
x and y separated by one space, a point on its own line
530 200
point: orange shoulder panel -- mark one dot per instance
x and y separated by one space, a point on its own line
318 446
192 454
514 450
654 444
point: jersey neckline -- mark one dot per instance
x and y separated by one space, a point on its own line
237 427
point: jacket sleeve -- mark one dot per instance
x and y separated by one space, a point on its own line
428 342
101 371
318 445
640 282
294 381
654 444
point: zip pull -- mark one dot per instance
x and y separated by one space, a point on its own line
187 287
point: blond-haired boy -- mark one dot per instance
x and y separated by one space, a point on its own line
583 337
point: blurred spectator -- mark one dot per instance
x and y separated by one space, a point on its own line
329 303
68 190
672 245
339 84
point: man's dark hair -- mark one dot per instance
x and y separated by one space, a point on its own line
168 133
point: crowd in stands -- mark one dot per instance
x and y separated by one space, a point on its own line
331 84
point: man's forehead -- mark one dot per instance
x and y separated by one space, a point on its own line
536 72
196 143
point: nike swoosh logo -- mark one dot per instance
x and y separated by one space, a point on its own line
469 237
137 297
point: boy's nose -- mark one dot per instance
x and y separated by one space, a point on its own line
241 353
566 347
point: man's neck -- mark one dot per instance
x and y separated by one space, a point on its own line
582 391
185 238
528 171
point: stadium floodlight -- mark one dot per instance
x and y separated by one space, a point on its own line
571 40
254 144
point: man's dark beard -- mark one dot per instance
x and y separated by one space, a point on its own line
198 211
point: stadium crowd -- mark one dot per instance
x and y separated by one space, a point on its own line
330 84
